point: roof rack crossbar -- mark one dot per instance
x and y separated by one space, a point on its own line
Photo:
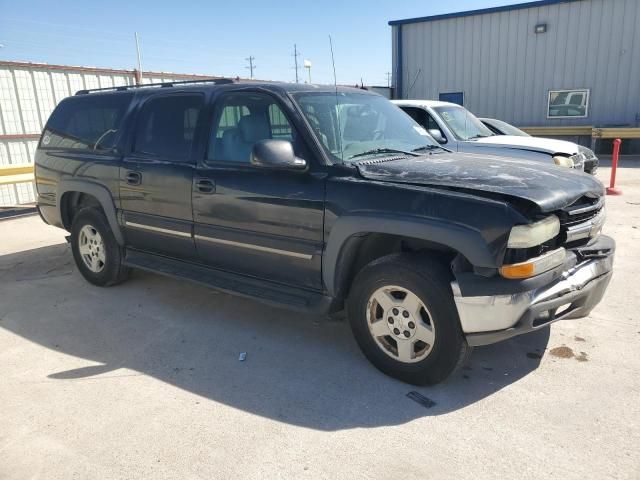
215 81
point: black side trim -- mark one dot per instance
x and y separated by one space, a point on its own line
98 191
267 292
465 240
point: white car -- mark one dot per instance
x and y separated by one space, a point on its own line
459 130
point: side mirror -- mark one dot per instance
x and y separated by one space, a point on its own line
276 154
437 135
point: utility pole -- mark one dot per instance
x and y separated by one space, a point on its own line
388 74
295 57
251 65
139 61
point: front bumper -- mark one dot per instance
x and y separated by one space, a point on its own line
572 292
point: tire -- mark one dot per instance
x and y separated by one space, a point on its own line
95 250
436 345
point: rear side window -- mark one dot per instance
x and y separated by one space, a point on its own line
86 122
167 125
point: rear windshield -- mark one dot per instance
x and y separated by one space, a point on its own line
86 122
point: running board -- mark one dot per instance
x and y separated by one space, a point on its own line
263 291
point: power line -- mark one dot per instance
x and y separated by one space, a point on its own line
251 66
295 58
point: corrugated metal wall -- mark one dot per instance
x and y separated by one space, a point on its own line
28 95
506 70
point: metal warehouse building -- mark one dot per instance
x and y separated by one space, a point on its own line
546 63
28 94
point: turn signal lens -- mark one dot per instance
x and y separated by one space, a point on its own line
518 270
535 266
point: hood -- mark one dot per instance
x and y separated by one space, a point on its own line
547 186
546 145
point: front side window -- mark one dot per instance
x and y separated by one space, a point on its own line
349 125
241 120
464 124
568 103
86 122
166 127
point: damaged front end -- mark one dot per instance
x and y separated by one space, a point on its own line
497 308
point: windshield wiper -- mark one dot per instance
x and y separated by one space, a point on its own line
383 150
427 147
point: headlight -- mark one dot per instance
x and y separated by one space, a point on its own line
526 236
563 162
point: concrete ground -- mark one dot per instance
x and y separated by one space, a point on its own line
143 380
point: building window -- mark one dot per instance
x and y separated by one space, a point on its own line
568 103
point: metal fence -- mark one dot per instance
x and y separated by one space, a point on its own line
28 94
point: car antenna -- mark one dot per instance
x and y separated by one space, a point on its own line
335 84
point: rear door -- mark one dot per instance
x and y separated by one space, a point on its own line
263 223
156 176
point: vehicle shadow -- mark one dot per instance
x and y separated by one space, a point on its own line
299 369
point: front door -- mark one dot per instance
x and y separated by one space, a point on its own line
156 177
253 221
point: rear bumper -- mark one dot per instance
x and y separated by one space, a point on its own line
574 293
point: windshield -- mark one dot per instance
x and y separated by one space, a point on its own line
351 126
507 129
464 124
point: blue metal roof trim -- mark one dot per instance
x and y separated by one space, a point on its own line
482 11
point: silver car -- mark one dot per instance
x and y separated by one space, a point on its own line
460 130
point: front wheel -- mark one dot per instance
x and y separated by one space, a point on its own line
403 316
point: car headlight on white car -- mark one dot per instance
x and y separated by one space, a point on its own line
563 161
527 236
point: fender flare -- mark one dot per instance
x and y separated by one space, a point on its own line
465 240
101 193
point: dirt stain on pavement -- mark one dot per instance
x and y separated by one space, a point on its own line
582 357
579 339
562 352
566 352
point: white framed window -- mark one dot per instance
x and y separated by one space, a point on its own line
568 103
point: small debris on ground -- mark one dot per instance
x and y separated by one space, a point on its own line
421 399
579 339
243 356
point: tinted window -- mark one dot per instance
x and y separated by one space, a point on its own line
241 120
88 122
167 125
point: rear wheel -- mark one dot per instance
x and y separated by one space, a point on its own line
403 316
95 250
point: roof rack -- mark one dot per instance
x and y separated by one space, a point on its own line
215 81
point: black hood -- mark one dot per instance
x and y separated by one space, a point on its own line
548 186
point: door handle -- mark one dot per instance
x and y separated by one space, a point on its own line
134 178
204 185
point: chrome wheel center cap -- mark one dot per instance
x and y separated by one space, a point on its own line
400 323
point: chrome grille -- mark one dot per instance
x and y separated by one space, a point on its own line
581 220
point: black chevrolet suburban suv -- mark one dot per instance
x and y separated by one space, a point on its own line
323 199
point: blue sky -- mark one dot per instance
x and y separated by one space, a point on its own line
216 37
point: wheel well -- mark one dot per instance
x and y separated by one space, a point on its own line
72 203
360 250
